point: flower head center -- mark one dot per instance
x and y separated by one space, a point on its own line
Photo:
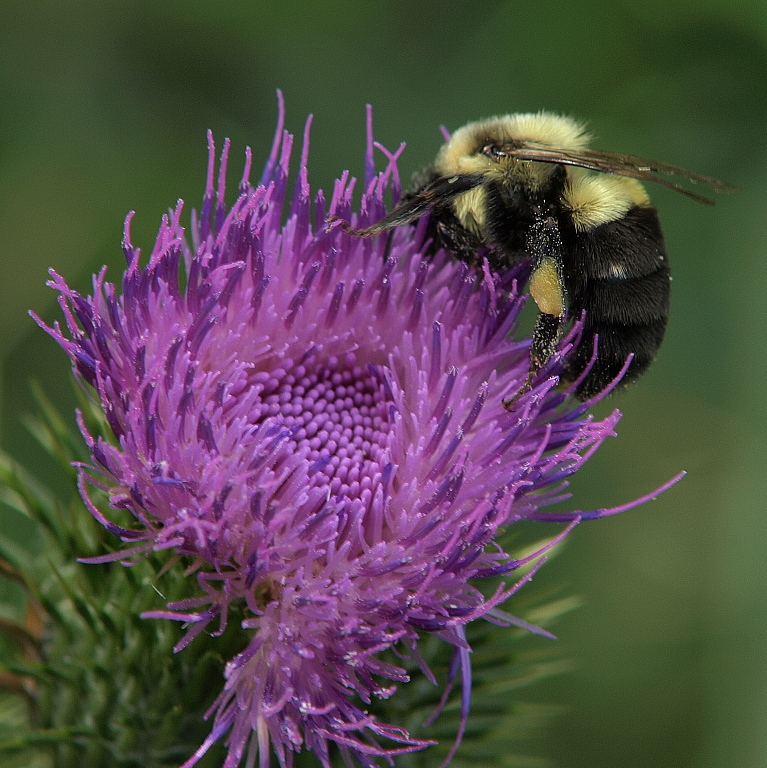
338 418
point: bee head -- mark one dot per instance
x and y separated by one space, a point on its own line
484 147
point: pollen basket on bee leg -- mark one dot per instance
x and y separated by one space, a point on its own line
546 288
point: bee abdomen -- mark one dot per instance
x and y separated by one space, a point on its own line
623 284
628 301
616 343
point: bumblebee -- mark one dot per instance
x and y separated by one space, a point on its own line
526 186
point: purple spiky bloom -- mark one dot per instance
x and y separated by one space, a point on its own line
316 421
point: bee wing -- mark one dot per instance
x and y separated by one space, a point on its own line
621 165
407 211
435 194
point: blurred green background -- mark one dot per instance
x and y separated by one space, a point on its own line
104 108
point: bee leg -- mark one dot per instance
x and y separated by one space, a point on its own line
455 238
545 337
544 344
548 291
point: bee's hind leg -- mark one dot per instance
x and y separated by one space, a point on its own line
544 344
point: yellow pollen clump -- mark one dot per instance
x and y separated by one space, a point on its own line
546 288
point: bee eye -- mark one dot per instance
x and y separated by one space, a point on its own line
494 151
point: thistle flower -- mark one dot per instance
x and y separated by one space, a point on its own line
314 422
